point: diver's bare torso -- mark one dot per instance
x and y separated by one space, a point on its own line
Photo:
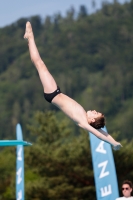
71 108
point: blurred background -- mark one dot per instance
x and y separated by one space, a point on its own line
87 46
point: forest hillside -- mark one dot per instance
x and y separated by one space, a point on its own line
90 57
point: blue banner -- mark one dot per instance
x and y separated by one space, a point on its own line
104 169
19 166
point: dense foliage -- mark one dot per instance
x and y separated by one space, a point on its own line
90 57
58 165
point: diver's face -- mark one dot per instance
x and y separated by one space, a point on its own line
93 114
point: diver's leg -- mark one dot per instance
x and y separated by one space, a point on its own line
46 78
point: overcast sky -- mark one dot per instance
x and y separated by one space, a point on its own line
12 10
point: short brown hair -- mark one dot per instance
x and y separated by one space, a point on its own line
128 182
99 122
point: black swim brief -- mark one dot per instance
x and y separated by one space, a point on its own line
49 96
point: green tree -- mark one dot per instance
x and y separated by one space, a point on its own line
60 161
83 11
7 173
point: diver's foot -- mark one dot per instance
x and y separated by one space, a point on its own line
28 31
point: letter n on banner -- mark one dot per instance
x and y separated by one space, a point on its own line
19 166
104 169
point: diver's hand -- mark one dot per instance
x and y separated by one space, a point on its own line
117 146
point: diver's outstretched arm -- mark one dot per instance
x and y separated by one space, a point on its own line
103 136
118 146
